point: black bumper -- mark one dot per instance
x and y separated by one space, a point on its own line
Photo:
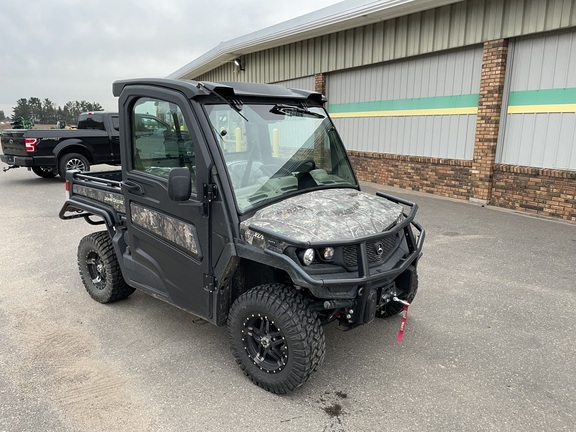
365 286
411 251
28 161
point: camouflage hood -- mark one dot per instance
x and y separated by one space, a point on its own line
325 215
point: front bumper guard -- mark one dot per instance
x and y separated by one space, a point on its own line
366 276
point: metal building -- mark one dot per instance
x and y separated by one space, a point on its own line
470 99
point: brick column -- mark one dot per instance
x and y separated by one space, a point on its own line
319 151
320 83
494 58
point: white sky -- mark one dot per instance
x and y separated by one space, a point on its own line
67 50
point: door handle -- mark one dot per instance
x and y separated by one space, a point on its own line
132 187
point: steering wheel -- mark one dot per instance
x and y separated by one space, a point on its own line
306 165
274 171
237 170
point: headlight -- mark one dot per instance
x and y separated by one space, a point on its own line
328 253
308 257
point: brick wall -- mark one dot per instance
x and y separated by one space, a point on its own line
530 190
494 57
445 177
535 190
320 83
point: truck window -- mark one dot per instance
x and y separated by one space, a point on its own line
91 121
161 139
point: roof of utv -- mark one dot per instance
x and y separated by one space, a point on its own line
193 89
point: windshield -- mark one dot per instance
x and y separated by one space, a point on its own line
274 150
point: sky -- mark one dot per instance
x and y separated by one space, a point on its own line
68 50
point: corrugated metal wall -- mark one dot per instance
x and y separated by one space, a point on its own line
425 106
540 117
305 83
460 24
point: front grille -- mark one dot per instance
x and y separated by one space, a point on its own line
387 245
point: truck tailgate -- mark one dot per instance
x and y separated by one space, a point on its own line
13 142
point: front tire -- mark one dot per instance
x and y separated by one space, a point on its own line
72 161
99 269
276 338
44 172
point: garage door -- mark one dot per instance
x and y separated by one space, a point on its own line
539 121
424 106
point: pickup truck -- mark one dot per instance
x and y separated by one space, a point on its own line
245 212
49 152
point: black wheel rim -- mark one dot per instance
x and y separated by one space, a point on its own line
96 270
75 164
264 343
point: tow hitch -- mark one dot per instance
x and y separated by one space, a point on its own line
9 168
404 302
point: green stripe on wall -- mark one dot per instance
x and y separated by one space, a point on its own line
542 101
409 113
431 103
563 96
527 101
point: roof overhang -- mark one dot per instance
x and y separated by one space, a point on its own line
341 16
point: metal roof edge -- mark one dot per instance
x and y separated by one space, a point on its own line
340 16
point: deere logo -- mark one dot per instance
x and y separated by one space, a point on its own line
379 248
11 141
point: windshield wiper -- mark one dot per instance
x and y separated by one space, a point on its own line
294 111
222 98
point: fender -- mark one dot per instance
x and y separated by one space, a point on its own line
73 145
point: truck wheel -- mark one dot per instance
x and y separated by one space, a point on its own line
276 338
72 161
394 308
45 172
100 270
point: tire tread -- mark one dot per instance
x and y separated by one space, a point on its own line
118 288
302 323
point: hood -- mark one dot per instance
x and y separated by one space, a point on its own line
325 215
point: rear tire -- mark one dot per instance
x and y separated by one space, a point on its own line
44 172
276 338
72 161
99 269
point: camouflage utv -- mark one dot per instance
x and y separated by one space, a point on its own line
241 206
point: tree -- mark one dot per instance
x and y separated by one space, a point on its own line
72 110
47 112
35 108
2 115
22 109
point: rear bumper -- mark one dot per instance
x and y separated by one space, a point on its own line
28 161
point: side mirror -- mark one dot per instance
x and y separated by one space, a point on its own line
179 184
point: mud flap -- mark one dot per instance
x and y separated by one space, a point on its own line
371 306
405 282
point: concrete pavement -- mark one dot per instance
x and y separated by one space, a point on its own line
489 343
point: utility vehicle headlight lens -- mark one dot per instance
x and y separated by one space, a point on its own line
328 253
308 257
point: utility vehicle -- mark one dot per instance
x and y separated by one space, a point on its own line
243 209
